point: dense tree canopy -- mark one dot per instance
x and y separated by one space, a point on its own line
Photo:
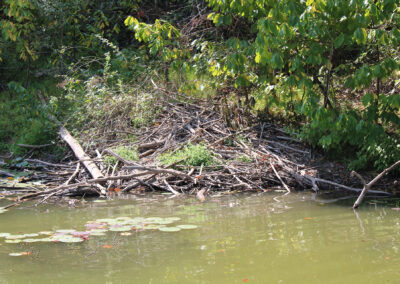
331 67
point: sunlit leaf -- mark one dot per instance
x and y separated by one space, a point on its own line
169 229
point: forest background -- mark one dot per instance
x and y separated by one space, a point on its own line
328 70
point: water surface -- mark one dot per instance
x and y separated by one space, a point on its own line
240 239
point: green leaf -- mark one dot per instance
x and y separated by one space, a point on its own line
361 36
339 41
367 99
276 61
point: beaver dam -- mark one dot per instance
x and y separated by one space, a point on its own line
189 150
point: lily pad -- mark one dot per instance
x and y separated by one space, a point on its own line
187 227
92 226
13 241
84 234
153 219
48 233
66 231
31 240
69 239
153 227
46 240
31 235
120 229
3 235
173 218
14 237
169 229
97 233
114 222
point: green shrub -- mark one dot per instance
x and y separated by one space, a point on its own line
23 120
245 159
194 155
130 154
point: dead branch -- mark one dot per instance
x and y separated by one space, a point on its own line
367 186
34 146
169 187
279 177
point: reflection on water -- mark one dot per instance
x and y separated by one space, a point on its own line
295 238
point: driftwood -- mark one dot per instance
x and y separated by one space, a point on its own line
367 186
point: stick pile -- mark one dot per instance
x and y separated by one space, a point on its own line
255 158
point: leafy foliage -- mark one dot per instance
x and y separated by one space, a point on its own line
331 67
23 120
192 155
130 154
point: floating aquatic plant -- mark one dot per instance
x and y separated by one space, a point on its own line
120 228
68 239
169 229
46 233
13 241
187 227
20 253
125 225
31 235
14 237
31 240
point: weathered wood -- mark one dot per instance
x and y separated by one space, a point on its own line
162 171
279 177
75 146
367 186
34 146
79 152
151 145
308 180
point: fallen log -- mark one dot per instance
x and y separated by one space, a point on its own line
79 152
75 146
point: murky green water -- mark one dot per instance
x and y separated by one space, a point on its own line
239 239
